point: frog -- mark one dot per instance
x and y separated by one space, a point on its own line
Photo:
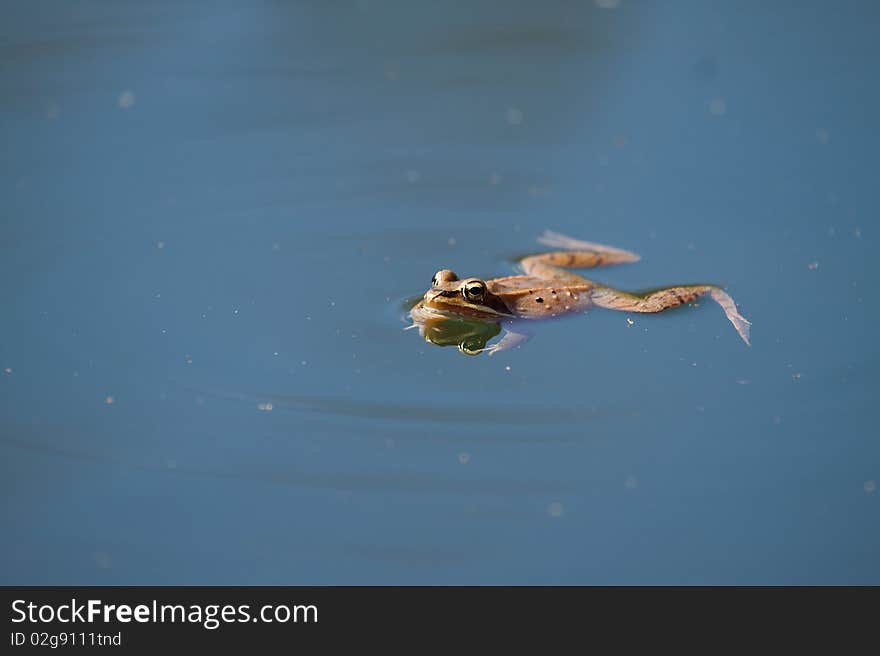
468 312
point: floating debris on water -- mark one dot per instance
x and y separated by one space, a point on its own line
555 509
717 107
515 116
125 100
538 190
391 70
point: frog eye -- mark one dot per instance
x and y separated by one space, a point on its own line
443 275
474 290
472 346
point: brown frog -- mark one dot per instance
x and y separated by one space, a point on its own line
549 289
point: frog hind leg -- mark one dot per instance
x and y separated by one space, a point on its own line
575 254
670 297
558 240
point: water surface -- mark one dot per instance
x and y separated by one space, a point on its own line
213 216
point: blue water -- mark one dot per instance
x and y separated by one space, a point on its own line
212 217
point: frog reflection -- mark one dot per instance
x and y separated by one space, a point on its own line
469 336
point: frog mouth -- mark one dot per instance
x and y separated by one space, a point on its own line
435 301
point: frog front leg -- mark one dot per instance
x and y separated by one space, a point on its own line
669 297
510 339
